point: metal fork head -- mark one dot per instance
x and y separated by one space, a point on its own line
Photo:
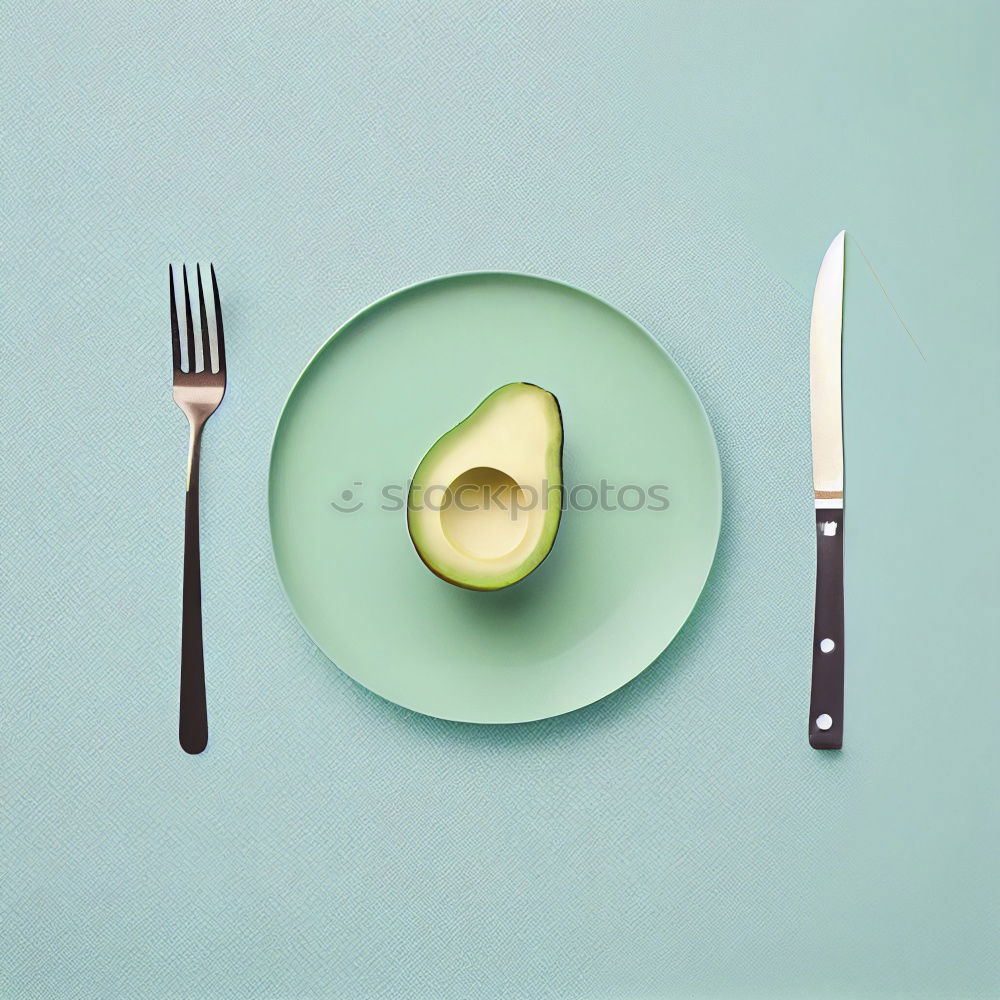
199 385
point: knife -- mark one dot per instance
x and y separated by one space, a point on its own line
826 703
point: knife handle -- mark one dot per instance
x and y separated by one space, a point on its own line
826 703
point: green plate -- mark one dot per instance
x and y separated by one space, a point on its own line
635 544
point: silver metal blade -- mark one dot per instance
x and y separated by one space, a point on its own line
824 375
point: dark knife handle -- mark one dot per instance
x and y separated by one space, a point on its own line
826 703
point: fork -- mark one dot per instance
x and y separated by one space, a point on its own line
198 392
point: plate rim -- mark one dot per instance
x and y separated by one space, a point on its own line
492 273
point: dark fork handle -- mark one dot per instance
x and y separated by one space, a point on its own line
826 704
193 727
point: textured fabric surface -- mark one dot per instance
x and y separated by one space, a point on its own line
677 839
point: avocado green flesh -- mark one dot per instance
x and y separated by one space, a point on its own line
484 505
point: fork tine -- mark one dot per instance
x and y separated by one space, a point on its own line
220 344
192 360
206 347
175 339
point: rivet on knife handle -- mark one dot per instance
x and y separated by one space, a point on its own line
826 703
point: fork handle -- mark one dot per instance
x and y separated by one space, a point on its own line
193 725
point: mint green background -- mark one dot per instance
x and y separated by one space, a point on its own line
687 162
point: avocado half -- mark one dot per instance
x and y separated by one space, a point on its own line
484 505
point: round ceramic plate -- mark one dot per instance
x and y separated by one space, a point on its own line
637 537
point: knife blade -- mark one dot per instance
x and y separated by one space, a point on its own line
826 702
